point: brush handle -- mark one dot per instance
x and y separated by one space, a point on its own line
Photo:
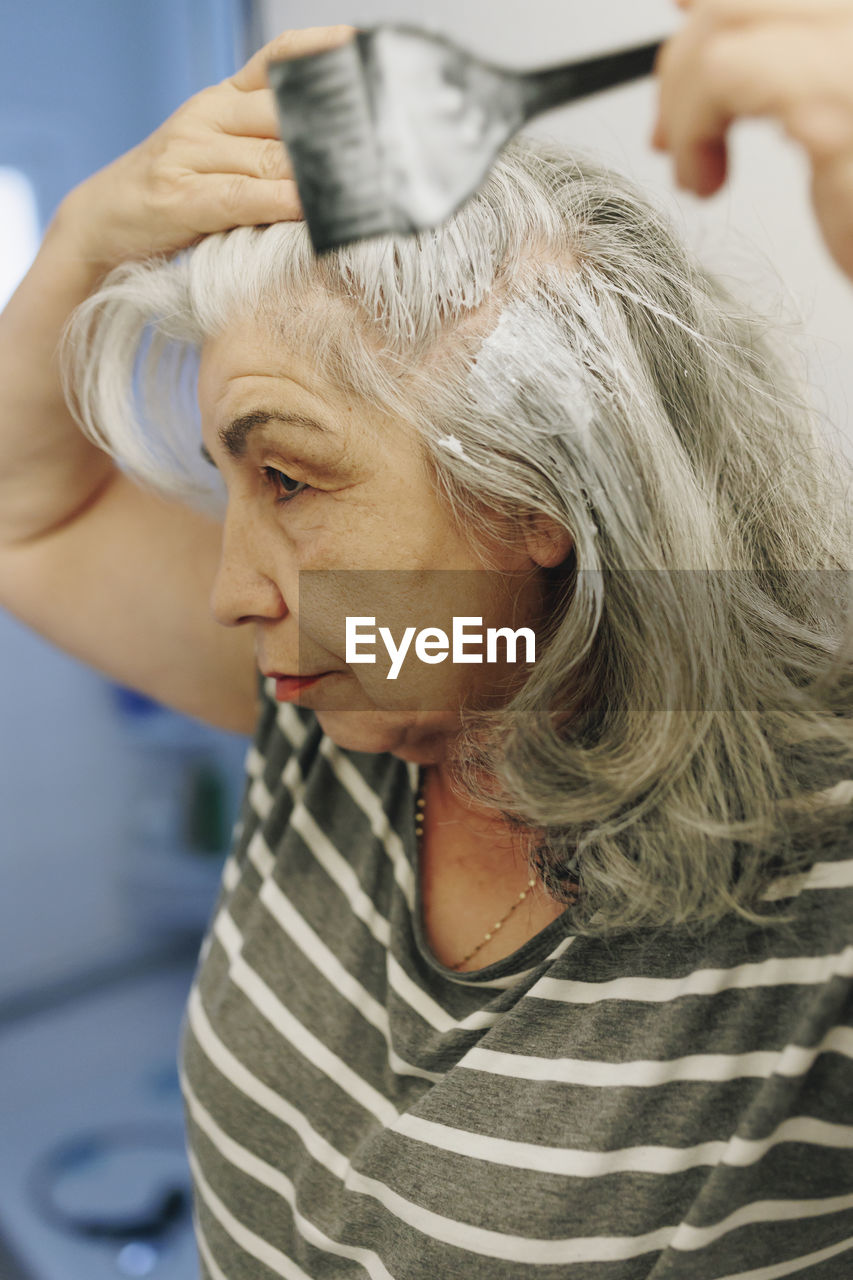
554 86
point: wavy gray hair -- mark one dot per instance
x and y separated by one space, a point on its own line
559 352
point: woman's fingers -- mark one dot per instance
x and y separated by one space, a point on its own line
216 163
708 167
194 204
236 200
253 157
290 44
787 60
246 115
785 71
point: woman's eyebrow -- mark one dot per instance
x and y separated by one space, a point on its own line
235 435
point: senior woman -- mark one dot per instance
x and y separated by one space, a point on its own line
542 971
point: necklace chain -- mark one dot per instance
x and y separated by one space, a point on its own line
420 808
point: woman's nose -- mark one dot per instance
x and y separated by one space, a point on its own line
245 587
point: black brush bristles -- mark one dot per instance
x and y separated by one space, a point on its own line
328 128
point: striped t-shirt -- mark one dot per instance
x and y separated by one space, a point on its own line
655 1105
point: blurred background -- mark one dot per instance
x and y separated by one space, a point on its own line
115 813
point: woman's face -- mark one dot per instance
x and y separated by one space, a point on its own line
331 514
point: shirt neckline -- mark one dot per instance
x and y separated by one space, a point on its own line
518 963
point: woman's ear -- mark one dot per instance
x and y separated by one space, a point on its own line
547 542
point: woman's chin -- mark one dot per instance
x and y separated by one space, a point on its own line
418 737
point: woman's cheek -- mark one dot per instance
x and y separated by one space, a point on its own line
329 529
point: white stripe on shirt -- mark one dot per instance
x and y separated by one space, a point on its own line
700 982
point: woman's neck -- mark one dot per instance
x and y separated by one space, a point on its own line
473 866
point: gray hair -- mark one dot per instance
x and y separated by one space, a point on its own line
559 352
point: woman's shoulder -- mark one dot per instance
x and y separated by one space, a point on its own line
799 931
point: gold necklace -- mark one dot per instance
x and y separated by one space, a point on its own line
420 808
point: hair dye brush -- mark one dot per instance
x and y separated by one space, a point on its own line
394 130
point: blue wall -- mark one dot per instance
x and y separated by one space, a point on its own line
80 83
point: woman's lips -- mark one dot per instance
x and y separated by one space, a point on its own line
287 688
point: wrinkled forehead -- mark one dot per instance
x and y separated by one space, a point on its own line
248 372
321 341
256 389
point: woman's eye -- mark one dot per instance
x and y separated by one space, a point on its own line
284 486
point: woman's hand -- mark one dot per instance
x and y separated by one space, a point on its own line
216 163
791 60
